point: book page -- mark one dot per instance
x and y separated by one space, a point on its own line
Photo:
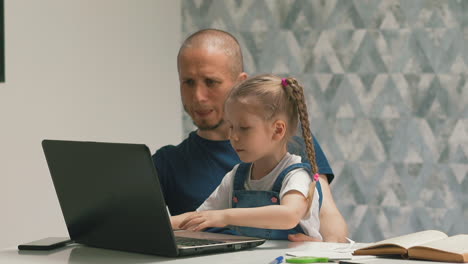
452 249
410 240
333 251
456 244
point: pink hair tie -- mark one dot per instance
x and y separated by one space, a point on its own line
316 177
284 82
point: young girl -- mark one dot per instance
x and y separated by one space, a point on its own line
271 194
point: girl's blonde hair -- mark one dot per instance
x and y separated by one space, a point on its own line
280 96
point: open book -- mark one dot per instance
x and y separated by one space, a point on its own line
430 245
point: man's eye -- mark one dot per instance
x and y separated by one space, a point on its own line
210 82
244 128
189 82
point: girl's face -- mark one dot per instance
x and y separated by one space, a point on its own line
250 134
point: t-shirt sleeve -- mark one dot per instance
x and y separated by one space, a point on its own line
221 196
297 146
298 180
322 162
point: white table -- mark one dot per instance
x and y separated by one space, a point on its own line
83 254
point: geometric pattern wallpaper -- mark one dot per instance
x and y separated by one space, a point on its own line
387 89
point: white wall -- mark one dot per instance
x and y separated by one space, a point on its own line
83 70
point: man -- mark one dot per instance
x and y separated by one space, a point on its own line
209 65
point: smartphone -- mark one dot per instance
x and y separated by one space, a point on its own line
48 243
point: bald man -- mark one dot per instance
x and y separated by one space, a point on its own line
209 64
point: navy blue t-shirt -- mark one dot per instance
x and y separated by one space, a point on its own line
191 171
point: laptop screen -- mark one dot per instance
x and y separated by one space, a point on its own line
110 196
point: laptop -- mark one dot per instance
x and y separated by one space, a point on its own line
111 198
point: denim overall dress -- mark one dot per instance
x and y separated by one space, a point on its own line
242 198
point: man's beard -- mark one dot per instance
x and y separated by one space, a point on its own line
207 127
204 127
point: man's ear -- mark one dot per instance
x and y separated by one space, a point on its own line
279 130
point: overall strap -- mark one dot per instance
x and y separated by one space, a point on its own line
279 181
319 190
241 175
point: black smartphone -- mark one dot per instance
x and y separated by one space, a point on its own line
48 243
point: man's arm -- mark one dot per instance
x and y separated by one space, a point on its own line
333 227
332 224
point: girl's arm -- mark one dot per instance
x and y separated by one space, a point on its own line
287 215
333 227
219 199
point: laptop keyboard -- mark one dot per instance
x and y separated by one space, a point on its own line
187 241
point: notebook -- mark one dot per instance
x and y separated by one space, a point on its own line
111 198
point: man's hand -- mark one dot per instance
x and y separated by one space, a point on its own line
198 221
299 237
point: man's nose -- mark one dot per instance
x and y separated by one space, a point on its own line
200 93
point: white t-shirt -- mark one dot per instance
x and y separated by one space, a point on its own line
298 180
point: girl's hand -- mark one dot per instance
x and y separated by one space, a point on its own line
204 219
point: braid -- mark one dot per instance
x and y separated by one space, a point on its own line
295 93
